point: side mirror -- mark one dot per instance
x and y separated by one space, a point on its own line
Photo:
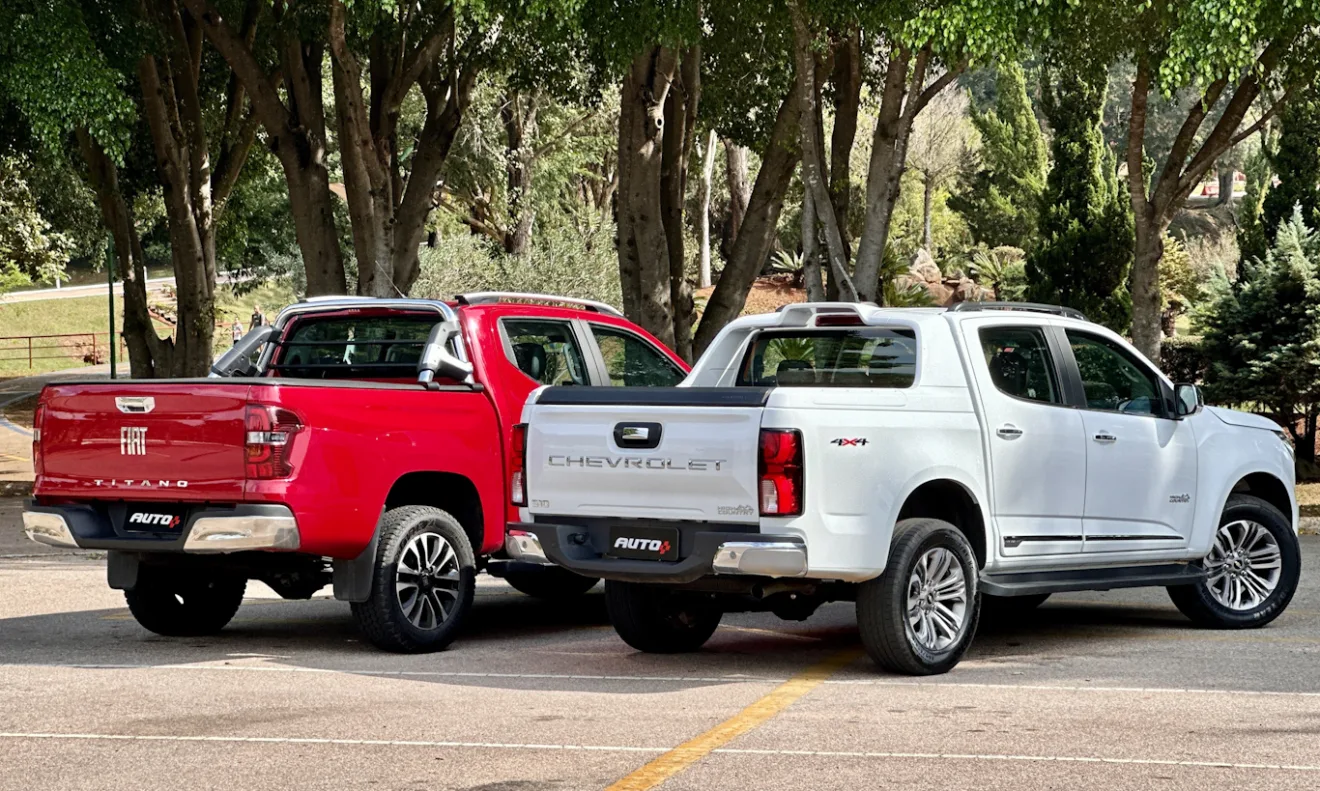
437 361
238 360
1187 399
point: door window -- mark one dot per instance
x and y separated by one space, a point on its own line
1020 363
547 351
1112 378
632 362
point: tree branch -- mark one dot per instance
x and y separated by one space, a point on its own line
238 54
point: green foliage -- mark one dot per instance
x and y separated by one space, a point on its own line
1253 242
1183 359
1296 160
29 249
1262 334
1180 286
1003 269
1000 198
560 262
1086 229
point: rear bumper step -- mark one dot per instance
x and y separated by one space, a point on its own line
206 530
711 552
1037 582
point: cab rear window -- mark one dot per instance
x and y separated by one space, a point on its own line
860 357
355 347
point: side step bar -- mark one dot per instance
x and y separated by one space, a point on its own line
1036 582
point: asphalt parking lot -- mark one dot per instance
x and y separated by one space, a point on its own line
1113 691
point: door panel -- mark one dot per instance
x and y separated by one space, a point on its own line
1037 453
1140 466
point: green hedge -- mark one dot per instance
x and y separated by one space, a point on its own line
1183 359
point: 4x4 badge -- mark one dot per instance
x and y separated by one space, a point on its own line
849 442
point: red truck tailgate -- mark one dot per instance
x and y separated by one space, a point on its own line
140 441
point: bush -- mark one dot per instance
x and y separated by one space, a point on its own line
1183 359
561 262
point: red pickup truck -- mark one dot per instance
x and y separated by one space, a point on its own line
355 441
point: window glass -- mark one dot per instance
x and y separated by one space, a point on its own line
1020 363
1113 379
632 362
547 351
385 347
862 357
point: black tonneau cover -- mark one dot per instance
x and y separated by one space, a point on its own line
656 396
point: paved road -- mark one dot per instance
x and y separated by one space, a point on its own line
154 285
1111 691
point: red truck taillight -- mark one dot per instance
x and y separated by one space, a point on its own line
518 478
269 441
38 418
781 472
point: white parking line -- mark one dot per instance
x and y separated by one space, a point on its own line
630 749
730 679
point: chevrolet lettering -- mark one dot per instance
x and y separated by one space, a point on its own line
637 463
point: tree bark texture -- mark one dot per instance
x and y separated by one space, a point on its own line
1185 167
703 222
757 235
644 265
847 81
811 276
518 114
680 130
740 194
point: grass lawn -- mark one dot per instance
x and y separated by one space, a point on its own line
53 317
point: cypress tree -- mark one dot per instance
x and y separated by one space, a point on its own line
1296 160
1000 199
1086 233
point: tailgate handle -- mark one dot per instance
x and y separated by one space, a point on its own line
135 405
637 435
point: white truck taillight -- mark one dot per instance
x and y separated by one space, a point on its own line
781 472
268 443
518 477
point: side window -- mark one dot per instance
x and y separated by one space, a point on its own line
547 351
1113 379
1020 364
632 362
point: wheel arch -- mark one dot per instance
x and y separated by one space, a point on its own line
448 491
951 500
1267 487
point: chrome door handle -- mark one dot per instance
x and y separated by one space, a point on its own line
1009 431
1105 437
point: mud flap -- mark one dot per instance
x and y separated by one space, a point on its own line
352 578
121 570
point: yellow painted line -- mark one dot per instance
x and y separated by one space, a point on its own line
750 718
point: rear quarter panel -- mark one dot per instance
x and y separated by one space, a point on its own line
360 440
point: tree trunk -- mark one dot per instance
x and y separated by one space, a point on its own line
740 193
1226 175
1149 248
927 207
643 244
707 173
810 124
145 349
680 129
757 235
902 98
518 113
811 277
847 81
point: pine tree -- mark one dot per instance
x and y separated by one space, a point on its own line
1000 199
1261 335
1296 160
1086 234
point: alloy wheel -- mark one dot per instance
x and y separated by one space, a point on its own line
427 580
1244 565
936 600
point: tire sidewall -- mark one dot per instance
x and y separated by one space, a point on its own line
426 520
1243 508
951 539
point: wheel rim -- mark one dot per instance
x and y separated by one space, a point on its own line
936 600
1244 565
427 580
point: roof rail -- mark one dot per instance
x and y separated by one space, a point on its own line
1031 307
492 297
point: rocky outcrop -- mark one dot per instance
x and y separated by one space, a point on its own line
944 290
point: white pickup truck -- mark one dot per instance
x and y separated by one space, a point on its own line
925 463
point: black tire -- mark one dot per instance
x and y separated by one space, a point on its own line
1003 609
659 620
177 604
882 608
551 583
451 589
1199 604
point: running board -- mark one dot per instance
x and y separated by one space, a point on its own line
1036 582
